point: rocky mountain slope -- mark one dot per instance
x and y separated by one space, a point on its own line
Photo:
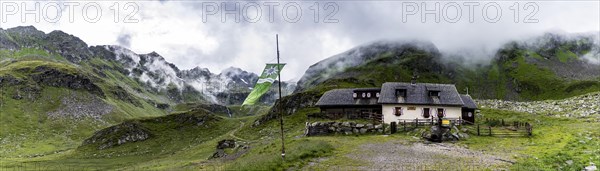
552 66
151 70
56 82
577 107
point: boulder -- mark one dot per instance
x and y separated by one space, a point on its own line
315 124
363 130
227 143
592 167
346 124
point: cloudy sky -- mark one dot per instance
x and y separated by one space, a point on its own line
206 33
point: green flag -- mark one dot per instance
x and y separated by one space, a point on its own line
268 76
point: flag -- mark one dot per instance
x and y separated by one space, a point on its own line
264 82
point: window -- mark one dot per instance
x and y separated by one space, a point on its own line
434 93
364 95
398 111
354 95
377 95
400 92
426 113
369 95
441 112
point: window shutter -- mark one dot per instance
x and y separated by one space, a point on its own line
398 111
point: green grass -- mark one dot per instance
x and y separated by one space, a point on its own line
174 144
554 141
30 53
565 55
23 68
265 157
512 76
26 130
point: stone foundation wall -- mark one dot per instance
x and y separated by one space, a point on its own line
344 128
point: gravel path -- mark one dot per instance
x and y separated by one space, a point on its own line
397 155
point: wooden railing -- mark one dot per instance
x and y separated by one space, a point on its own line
487 128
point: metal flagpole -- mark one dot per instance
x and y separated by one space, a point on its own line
280 113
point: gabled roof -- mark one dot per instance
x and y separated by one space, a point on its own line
419 94
344 97
469 103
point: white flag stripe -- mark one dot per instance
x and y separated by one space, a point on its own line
264 80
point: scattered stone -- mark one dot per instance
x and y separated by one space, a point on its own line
569 162
579 106
592 167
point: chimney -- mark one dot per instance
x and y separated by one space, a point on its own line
413 81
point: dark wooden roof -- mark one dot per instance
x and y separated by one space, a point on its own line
419 94
469 103
339 97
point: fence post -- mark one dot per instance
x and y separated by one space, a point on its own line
478 130
490 129
529 129
393 128
416 123
502 122
404 124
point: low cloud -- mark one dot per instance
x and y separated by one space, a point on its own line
124 40
176 30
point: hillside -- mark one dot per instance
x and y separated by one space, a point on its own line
150 71
67 106
55 90
187 140
548 67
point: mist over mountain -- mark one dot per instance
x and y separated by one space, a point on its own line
151 70
519 70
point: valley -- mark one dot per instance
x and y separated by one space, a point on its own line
65 105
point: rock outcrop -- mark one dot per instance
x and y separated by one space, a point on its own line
126 132
57 78
289 105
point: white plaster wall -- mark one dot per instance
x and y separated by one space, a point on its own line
388 112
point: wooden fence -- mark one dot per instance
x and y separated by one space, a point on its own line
411 124
489 127
501 128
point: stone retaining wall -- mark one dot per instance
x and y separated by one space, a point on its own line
345 128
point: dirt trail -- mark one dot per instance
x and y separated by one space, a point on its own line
232 132
401 155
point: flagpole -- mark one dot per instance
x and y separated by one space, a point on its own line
280 113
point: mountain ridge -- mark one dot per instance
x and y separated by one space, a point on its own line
518 71
151 69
